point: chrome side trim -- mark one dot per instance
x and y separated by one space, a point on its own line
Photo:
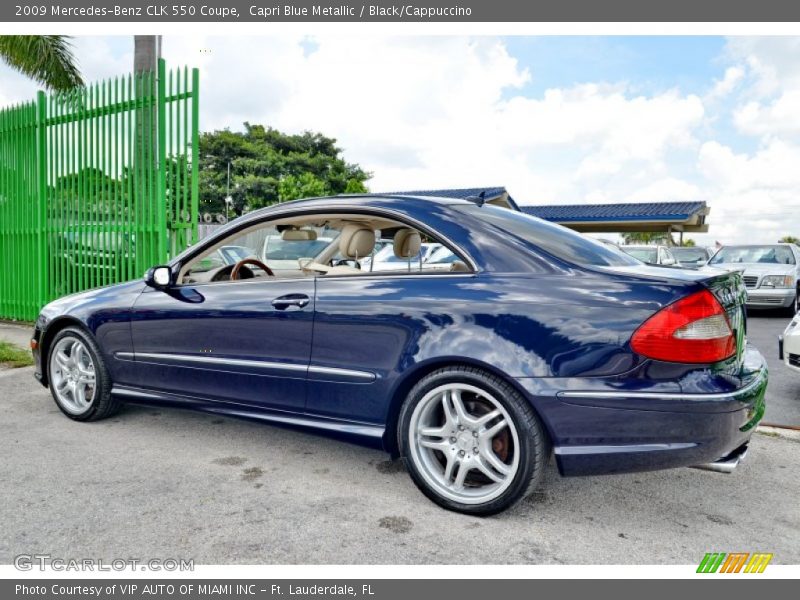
255 364
758 381
365 375
579 450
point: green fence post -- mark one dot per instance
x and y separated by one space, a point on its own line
42 287
161 179
195 151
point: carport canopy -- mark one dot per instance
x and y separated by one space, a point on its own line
655 217
628 217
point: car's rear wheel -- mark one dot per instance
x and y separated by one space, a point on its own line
471 442
79 380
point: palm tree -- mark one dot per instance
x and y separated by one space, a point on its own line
47 59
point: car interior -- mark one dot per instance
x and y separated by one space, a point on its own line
280 249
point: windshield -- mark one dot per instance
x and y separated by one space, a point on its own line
279 249
233 254
648 255
776 255
690 254
554 239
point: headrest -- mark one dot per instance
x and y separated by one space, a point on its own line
296 235
356 241
407 243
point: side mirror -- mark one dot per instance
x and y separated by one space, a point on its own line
159 277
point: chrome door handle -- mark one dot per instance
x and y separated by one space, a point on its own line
284 302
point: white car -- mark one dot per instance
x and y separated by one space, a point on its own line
771 273
789 344
652 255
385 259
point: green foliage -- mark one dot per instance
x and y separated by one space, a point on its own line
268 166
789 239
689 243
47 59
644 237
11 356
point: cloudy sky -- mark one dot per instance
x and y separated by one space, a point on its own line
554 119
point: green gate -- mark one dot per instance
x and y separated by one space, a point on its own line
96 185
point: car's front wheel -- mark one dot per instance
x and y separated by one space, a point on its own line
471 442
79 380
794 308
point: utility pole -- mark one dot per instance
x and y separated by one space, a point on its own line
146 52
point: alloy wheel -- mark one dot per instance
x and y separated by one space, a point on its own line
464 443
72 375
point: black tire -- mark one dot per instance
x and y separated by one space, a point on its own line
103 404
795 307
533 442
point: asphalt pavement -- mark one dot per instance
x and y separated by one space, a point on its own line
164 483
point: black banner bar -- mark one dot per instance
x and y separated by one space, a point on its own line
733 588
401 11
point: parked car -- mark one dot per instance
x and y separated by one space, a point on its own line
652 255
691 257
771 273
387 260
544 342
789 344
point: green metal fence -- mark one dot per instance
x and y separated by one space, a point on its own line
96 185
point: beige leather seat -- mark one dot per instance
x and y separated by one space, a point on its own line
355 242
299 235
407 243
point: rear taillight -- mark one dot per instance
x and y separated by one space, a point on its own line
692 330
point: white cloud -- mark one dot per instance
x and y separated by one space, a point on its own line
424 112
730 81
442 111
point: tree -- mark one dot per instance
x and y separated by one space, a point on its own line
644 237
47 59
789 239
688 243
268 166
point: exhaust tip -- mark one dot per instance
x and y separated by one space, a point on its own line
726 464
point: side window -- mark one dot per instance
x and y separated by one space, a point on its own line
325 245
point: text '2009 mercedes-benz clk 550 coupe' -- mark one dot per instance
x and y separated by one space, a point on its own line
530 341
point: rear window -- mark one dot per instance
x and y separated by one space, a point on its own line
554 239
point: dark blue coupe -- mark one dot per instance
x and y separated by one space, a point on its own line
529 339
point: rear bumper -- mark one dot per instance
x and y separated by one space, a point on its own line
617 431
770 298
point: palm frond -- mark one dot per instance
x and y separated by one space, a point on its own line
47 59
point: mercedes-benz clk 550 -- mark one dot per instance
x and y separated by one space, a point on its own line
535 341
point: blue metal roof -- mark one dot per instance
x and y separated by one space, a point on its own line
643 211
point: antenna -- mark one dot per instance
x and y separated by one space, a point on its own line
479 199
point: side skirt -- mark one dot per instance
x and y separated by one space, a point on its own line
364 434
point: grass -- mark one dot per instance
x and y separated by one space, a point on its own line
14 357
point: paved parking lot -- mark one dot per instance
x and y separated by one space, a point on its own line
158 483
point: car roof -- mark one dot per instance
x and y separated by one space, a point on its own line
360 200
